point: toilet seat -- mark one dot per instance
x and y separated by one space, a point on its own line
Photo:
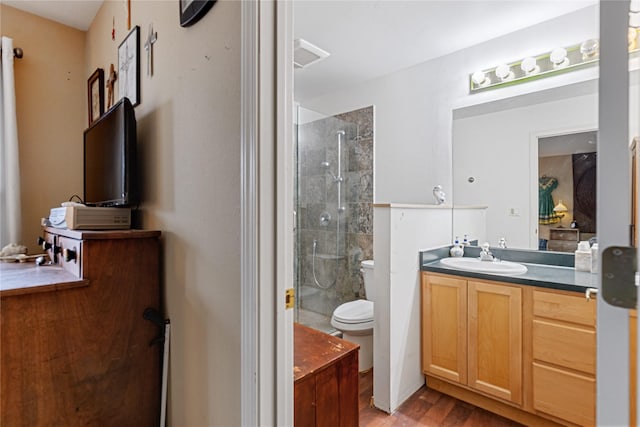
353 316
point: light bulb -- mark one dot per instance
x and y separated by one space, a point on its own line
480 78
503 72
589 49
529 65
559 58
632 38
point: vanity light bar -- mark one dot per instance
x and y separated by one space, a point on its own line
559 60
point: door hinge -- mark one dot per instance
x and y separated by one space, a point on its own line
619 267
289 298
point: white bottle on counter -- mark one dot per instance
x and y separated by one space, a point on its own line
594 258
583 257
456 250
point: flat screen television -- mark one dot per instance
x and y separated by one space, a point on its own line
110 158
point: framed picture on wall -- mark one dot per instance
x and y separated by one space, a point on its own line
129 67
192 10
95 92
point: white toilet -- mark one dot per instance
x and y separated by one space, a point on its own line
355 319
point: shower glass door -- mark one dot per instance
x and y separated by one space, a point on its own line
324 277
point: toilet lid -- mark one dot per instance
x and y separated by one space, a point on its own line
358 311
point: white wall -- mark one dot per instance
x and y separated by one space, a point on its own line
495 149
401 232
414 106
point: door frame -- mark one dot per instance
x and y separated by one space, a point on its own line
276 24
266 213
613 224
534 137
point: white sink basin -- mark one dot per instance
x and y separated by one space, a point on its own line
492 267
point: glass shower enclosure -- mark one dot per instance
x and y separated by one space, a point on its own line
323 214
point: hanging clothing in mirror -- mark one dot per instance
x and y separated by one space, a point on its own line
546 215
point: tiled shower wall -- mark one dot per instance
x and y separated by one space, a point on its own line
347 237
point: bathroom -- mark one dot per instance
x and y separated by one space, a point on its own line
423 102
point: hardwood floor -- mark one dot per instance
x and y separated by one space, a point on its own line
426 407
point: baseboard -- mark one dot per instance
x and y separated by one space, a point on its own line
490 404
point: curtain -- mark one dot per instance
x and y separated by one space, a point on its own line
9 165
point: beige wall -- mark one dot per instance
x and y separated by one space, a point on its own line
50 100
189 148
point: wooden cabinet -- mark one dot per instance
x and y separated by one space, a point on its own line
325 379
564 356
563 239
444 327
472 334
74 346
495 340
526 353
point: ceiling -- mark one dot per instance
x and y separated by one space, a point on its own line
73 13
372 38
368 38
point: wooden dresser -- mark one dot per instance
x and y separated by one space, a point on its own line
74 346
325 379
563 239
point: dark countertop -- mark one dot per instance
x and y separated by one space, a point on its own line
553 274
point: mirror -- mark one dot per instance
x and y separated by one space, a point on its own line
500 156
414 98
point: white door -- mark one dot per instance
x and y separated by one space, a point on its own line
617 127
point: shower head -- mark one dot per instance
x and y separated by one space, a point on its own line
326 165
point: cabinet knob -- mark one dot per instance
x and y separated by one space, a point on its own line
43 244
69 254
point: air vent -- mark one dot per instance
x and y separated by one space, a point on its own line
305 54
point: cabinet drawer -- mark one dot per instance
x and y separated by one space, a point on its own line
562 246
568 346
74 247
564 394
51 240
568 308
564 234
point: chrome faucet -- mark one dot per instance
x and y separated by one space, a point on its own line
502 243
485 254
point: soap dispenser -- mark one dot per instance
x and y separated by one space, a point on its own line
456 250
583 257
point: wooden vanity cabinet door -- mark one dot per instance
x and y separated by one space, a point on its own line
444 327
495 340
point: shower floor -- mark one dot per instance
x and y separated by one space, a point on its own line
316 321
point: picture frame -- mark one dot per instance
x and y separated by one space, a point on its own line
192 10
95 95
129 67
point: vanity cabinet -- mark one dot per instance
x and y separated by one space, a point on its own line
472 334
524 352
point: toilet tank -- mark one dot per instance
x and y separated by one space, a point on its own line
367 275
